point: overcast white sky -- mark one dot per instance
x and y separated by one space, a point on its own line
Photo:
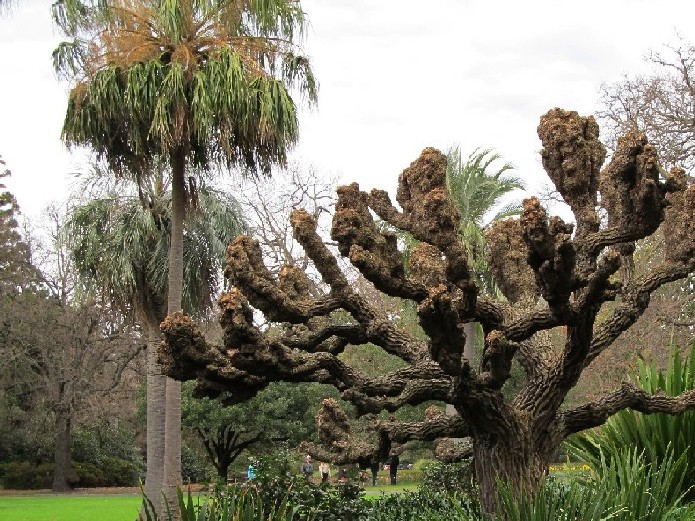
396 76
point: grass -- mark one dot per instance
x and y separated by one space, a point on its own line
69 508
50 507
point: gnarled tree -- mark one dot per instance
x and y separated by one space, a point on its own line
553 274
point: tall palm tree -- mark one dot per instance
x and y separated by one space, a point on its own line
191 84
120 245
478 187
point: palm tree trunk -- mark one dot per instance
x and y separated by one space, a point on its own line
156 388
172 444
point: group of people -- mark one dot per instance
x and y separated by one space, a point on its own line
307 469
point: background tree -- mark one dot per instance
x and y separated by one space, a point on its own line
58 355
552 274
660 104
16 269
120 245
280 413
477 191
191 84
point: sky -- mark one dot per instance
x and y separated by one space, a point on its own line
395 76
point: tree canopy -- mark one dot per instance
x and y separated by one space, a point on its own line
209 78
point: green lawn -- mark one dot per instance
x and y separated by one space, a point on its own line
50 507
69 508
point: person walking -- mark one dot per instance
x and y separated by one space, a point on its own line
374 467
307 467
394 461
251 472
325 471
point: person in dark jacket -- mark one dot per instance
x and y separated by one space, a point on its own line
374 467
394 461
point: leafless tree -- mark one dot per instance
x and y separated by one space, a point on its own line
660 104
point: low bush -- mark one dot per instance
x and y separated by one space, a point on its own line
24 475
425 505
119 472
449 477
89 475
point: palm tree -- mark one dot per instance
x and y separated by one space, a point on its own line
120 245
190 84
477 191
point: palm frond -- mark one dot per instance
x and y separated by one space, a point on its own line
120 243
210 77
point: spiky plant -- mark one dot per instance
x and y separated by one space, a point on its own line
655 435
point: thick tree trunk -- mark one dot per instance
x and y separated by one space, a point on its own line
62 469
156 407
172 445
511 459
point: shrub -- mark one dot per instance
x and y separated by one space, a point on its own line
277 481
449 477
89 475
119 472
425 505
24 475
654 435
194 468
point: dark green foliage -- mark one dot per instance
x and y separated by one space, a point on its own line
106 456
626 488
96 441
23 475
120 473
111 472
655 435
449 477
89 475
194 466
424 505
16 270
278 480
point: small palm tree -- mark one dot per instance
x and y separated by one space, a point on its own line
120 244
478 188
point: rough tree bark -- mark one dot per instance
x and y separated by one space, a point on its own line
553 274
63 473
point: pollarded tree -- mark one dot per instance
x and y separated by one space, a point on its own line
554 276
192 84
